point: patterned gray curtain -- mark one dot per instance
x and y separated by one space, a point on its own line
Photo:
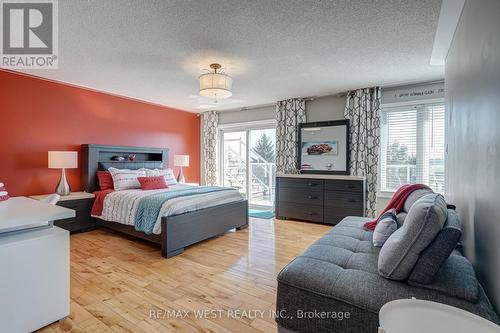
289 113
209 157
363 111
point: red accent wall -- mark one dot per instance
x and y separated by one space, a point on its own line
38 115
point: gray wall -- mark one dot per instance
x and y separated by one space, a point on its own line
472 79
325 108
253 114
319 109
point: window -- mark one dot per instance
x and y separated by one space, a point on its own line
412 146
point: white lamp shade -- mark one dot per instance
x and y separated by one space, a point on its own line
63 159
181 160
216 85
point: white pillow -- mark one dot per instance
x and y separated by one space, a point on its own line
124 179
168 174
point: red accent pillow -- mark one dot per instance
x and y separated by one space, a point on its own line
105 180
152 183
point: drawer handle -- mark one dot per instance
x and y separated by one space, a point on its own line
311 197
311 213
351 186
312 184
351 200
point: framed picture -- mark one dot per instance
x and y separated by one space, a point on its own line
324 147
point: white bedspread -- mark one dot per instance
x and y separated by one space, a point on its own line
121 206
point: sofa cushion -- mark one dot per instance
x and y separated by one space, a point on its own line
414 196
386 225
401 218
401 251
433 257
456 278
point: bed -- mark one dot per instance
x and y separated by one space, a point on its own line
182 221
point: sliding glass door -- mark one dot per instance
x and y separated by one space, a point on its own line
262 167
247 163
234 148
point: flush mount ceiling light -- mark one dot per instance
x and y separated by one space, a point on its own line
215 85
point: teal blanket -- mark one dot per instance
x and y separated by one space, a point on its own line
150 206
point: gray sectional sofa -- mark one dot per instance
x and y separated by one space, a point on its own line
334 286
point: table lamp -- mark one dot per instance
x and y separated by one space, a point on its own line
63 160
181 161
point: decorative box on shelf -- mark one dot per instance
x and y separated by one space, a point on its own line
82 203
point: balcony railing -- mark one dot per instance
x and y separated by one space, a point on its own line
395 175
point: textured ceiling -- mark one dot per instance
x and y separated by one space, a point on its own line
155 50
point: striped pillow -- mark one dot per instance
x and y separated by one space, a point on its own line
167 173
124 179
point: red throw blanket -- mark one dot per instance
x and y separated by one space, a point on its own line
397 201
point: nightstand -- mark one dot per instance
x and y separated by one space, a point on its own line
81 202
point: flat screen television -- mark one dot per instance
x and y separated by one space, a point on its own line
324 147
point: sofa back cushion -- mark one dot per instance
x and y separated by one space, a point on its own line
456 278
400 252
401 218
414 196
386 225
433 257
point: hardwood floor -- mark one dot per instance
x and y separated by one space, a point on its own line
121 284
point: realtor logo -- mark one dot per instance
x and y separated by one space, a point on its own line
29 34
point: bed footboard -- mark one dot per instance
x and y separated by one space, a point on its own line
186 229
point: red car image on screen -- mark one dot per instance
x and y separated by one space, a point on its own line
319 149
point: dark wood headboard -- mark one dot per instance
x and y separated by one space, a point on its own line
98 157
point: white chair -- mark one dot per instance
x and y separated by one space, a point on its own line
51 199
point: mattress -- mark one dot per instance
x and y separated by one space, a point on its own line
121 206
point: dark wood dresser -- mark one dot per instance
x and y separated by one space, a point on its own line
319 198
82 203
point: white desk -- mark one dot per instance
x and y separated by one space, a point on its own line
34 261
21 213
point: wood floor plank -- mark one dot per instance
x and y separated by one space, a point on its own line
121 284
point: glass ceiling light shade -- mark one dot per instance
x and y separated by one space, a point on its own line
216 85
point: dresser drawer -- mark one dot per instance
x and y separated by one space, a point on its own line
73 225
301 211
300 182
78 205
344 199
344 185
335 215
82 219
301 195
